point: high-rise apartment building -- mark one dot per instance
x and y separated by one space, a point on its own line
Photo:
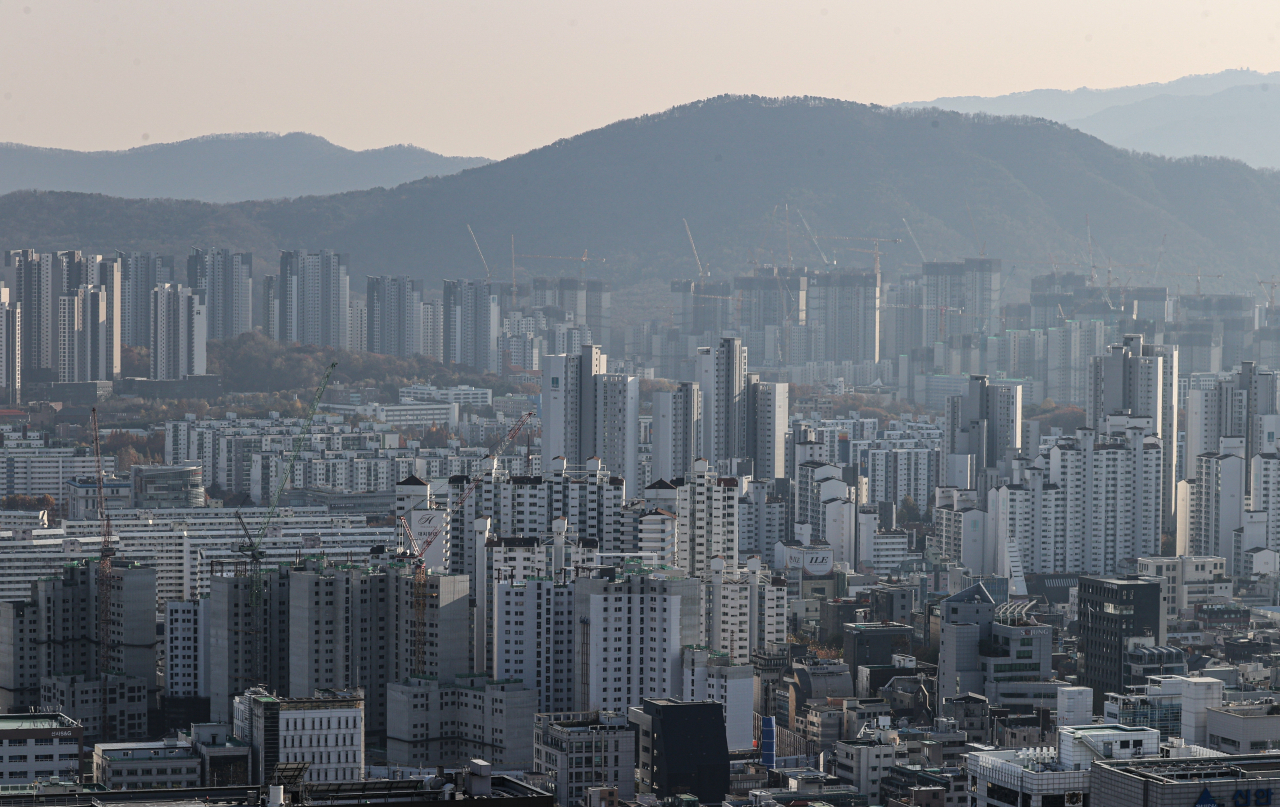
1140 379
395 324
472 324
140 272
178 332
843 315
309 301
1234 407
227 280
985 423
677 430
40 279
10 350
359 330
764 432
722 379
1083 505
588 412
962 298
705 506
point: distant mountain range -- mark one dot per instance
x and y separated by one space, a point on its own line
223 168
1229 114
743 171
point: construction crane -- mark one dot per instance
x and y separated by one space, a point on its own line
1270 286
104 577
487 273
694 247
1198 275
813 238
418 552
251 549
875 250
582 262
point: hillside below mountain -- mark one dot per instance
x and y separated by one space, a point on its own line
742 171
222 168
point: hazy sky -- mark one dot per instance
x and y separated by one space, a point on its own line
498 78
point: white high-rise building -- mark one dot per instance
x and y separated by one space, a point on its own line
568 394
1140 379
706 511
10 350
1218 503
309 301
535 631
178 332
618 664
1234 407
677 430
1083 505
745 610
765 430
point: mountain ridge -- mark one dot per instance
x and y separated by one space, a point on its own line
231 167
735 167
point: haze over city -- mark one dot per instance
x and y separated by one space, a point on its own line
612 405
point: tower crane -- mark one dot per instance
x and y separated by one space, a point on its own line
252 551
582 261
875 250
694 247
418 551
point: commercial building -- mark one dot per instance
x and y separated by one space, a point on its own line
578 751
681 749
1114 614
1246 728
326 731
146 765
160 487
40 745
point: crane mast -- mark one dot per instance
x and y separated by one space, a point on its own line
419 552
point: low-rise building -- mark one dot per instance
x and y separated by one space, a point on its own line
146 765
865 761
582 750
1049 777
1244 728
160 487
40 745
81 495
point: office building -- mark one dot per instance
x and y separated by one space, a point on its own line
158 487
325 730
146 765
186 648
40 745
179 330
1115 615
681 749
579 751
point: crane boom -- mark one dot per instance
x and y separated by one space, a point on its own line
475 482
487 274
694 247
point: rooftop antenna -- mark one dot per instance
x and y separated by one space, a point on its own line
482 260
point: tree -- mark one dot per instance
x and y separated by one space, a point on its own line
909 512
